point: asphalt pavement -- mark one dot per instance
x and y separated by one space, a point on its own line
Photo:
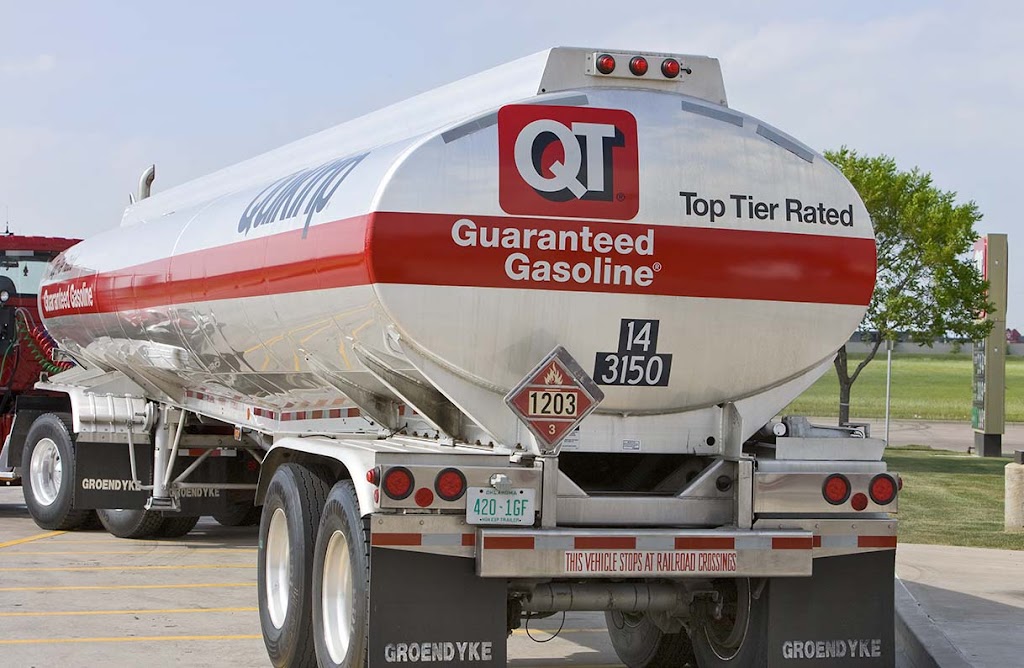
943 435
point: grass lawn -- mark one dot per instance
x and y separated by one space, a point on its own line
950 498
928 387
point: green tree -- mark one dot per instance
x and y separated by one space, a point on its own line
927 286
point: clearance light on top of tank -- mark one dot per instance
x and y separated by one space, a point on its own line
638 66
670 68
605 64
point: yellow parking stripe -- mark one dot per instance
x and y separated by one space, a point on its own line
113 541
167 611
168 567
37 553
52 641
38 536
211 585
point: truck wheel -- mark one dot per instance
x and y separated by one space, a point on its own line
239 515
291 514
740 636
49 475
641 644
136 523
341 581
176 526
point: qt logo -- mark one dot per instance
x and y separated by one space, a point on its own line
568 161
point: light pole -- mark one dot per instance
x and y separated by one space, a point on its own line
888 386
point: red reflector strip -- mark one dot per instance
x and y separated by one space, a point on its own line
468 539
604 543
508 542
876 541
816 541
792 543
396 539
705 543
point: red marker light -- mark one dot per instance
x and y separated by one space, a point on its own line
450 484
638 66
859 501
836 489
373 476
670 68
605 64
424 497
398 483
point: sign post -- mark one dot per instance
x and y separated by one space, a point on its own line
989 397
554 398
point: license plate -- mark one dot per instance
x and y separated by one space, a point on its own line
486 505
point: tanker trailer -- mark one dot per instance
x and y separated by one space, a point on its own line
512 347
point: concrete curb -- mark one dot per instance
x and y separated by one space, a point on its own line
920 642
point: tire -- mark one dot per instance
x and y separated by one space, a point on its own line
176 526
239 515
341 581
291 516
639 642
48 481
741 637
131 523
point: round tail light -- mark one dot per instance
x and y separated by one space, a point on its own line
450 484
670 68
398 483
638 66
882 489
605 64
836 489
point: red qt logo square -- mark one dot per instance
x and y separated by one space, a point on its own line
573 162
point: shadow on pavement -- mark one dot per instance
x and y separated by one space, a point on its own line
968 629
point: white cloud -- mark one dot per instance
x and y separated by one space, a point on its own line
45 62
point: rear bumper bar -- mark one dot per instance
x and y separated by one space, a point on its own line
562 553
773 548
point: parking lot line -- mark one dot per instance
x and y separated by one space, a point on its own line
202 585
165 567
51 641
167 611
111 540
37 553
29 539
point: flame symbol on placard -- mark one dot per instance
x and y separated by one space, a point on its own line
553 377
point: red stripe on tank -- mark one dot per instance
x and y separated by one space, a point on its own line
417 248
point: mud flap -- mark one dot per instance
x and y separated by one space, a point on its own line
428 608
843 615
103 478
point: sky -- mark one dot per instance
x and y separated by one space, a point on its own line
92 93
